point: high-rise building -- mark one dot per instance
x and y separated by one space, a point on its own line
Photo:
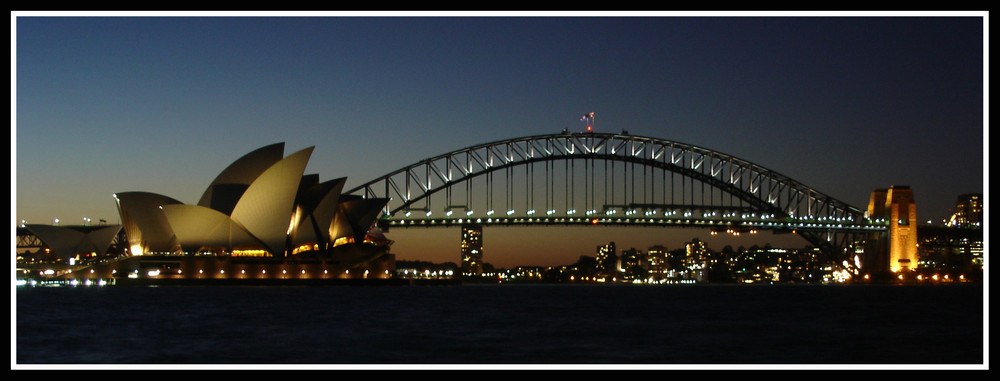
696 255
607 258
968 211
472 249
696 250
657 257
632 258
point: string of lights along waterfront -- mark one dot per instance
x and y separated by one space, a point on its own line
582 179
339 149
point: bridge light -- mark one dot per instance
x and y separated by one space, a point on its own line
593 221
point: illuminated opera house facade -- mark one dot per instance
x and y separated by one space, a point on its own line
261 218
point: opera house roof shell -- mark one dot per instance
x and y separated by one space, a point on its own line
262 202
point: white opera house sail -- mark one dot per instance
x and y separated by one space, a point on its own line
260 205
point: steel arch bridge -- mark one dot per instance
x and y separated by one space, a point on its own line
611 179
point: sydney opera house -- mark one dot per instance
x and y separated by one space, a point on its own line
261 218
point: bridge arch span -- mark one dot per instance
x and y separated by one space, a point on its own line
750 188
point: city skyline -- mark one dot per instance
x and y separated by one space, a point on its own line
843 104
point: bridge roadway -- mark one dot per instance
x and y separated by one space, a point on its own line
741 225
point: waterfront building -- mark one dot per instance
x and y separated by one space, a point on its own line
261 217
656 259
472 249
607 259
955 252
696 256
633 263
968 211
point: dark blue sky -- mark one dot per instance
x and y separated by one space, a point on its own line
163 104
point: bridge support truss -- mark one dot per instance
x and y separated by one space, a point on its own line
573 178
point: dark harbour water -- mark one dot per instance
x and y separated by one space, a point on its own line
501 324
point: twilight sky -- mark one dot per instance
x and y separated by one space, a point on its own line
163 104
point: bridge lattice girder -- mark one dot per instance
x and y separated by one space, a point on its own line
762 189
